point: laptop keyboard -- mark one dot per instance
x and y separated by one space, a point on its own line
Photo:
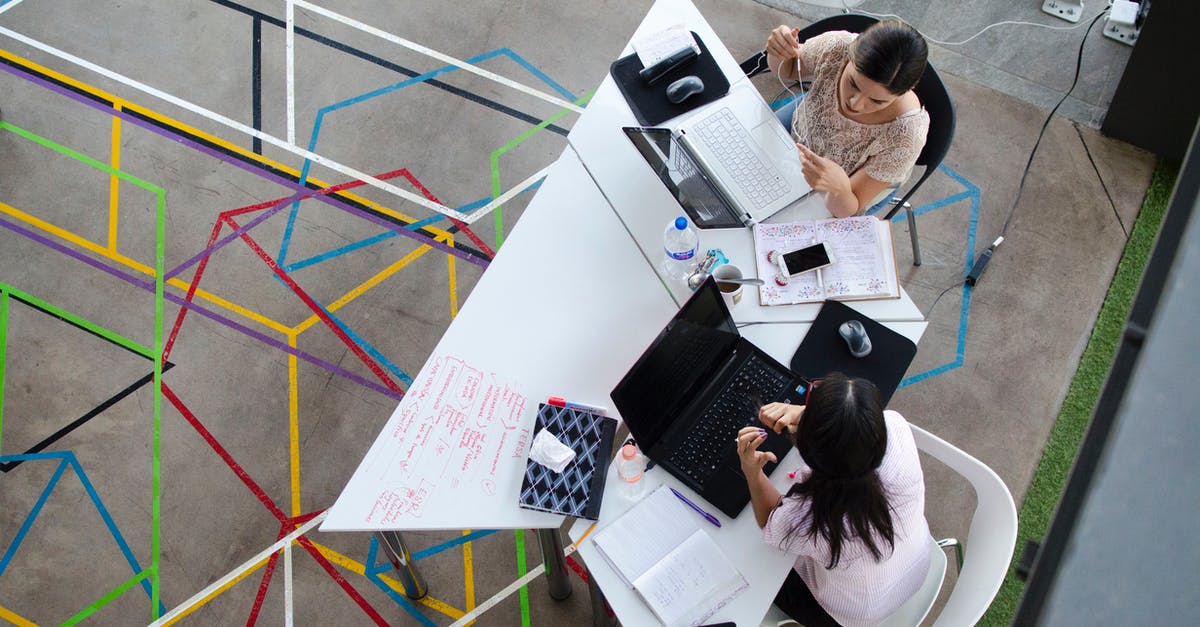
701 451
730 142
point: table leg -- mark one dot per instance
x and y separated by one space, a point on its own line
555 563
406 568
602 615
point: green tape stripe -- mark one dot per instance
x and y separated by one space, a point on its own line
160 233
74 319
3 348
524 593
78 156
494 161
106 599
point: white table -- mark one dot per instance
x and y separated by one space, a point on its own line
645 205
567 306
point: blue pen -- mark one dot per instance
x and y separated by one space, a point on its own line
707 516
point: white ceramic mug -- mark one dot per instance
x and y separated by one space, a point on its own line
729 271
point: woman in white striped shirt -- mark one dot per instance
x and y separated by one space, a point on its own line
855 518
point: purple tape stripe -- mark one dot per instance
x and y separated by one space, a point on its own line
216 317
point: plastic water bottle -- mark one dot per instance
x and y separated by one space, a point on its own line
681 243
631 468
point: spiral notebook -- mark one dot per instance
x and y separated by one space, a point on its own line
579 489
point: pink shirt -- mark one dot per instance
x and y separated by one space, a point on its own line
860 591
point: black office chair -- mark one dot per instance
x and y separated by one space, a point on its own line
931 92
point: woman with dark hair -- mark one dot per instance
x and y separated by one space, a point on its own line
859 127
855 518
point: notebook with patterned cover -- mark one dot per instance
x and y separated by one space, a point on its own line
579 489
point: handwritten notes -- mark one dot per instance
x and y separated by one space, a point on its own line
449 439
864 264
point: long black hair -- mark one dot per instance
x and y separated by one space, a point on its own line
892 54
842 438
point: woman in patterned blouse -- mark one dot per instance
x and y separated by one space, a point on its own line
859 127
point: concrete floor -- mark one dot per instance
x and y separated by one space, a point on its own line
247 441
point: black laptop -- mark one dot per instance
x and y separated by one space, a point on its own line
697 384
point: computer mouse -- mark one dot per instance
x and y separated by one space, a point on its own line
684 88
856 338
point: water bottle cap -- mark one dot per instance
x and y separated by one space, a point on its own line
629 451
681 223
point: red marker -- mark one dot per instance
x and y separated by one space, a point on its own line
558 401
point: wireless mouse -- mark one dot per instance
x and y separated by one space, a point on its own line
856 338
684 88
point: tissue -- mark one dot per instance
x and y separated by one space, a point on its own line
548 451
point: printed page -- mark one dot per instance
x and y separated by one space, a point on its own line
859 269
645 533
782 238
691 583
657 46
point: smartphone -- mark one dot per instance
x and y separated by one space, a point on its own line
806 259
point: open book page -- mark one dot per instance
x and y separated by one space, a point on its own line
691 583
864 264
645 533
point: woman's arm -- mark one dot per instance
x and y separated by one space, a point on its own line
763 496
845 195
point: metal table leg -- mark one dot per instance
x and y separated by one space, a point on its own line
555 563
602 615
406 569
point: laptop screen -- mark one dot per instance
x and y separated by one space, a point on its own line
698 195
675 366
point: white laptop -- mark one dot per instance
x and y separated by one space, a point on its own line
730 163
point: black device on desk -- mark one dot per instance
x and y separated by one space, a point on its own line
693 389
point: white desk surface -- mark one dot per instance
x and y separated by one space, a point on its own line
645 205
566 307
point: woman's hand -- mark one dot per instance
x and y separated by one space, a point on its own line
780 416
828 177
752 459
782 43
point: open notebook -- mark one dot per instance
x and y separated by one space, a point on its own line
660 549
864 264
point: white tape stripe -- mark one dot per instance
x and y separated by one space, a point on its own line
287 586
271 139
500 596
10 5
291 72
247 565
439 56
506 196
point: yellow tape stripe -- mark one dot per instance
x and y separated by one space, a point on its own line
217 591
364 286
452 275
133 264
358 569
114 183
294 425
14 619
123 104
468 568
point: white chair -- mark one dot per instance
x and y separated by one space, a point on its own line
983 559
982 562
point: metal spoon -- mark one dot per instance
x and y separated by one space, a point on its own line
746 281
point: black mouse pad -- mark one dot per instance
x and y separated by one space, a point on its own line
823 351
649 104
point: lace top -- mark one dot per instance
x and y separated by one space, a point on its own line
888 150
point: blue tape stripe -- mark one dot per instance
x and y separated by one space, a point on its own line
367 347
965 306
538 73
33 513
372 553
433 550
337 252
316 131
112 529
400 600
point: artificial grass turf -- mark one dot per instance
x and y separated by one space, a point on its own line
1076 412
